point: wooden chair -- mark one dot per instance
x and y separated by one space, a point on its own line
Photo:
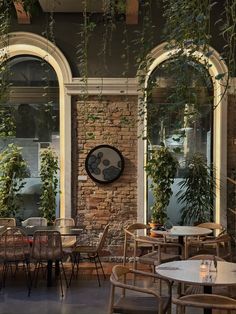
215 227
205 301
132 292
14 251
132 232
34 221
160 252
47 248
219 246
92 253
8 222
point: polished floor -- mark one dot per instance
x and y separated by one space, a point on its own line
84 296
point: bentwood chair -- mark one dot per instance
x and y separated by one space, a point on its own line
92 253
14 252
215 227
134 292
8 222
47 248
134 232
205 301
219 246
158 251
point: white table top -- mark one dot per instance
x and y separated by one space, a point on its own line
188 271
184 231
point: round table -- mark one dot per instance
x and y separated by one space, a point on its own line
182 232
189 271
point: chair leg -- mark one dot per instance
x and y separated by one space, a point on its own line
26 266
104 276
64 273
62 292
75 262
96 267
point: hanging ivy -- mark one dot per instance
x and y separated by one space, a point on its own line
187 31
7 121
144 42
87 27
228 31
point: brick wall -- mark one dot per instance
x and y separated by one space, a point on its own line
113 121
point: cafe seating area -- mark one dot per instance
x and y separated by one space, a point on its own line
134 285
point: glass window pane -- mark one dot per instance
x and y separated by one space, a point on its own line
183 124
34 106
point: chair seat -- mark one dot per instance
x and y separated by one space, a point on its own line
85 249
206 301
139 305
152 258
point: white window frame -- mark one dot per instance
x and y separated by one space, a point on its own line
25 43
159 55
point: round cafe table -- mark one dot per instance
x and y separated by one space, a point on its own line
183 232
189 271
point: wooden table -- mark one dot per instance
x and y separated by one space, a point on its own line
183 232
188 271
64 231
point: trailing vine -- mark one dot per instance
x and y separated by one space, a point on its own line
187 31
7 121
143 45
87 27
228 32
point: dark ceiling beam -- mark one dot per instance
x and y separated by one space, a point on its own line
22 16
132 7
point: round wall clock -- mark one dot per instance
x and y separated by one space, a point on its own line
104 164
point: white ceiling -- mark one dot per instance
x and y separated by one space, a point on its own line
71 5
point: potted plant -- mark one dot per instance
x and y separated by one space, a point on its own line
197 191
13 170
48 174
161 169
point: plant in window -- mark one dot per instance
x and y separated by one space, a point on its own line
161 168
197 191
13 170
48 174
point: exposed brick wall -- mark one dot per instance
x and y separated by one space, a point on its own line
113 121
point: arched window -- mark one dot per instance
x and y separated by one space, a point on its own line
181 117
34 105
33 45
217 66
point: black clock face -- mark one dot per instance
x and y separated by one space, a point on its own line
104 164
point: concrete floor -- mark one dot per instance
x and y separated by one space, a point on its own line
84 296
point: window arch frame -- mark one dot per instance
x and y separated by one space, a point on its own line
26 43
159 55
